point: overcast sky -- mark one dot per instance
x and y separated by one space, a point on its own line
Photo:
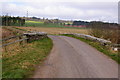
88 10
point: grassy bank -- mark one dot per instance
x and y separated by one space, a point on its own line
21 62
103 49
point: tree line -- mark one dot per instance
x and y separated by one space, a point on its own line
12 21
78 23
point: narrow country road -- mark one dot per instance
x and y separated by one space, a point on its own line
72 58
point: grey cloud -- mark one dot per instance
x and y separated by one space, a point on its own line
106 11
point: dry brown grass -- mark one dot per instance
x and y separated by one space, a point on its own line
55 30
6 33
108 31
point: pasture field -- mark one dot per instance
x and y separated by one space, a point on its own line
54 30
34 22
42 24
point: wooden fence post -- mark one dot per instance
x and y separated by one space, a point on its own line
5 49
20 41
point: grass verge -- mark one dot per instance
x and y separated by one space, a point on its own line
103 49
21 62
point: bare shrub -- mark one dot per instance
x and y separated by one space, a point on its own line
108 31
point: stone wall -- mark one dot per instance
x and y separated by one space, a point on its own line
103 42
35 36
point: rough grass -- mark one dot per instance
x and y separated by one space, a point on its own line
5 32
103 49
20 63
55 30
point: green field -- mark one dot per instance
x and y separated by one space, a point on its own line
42 24
34 22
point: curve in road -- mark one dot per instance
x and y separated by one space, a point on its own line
72 58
